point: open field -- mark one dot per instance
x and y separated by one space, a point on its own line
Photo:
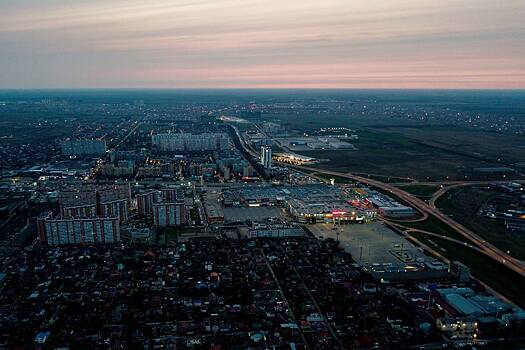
344 180
435 226
413 149
15 132
463 205
392 154
338 179
508 149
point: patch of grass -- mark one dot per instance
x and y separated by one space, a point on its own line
436 226
403 148
464 204
494 274
421 191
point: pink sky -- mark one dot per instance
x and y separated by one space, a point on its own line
234 43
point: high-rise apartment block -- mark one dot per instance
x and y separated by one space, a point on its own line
167 214
93 230
89 214
266 157
166 206
190 142
94 200
145 202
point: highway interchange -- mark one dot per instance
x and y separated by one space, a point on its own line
426 209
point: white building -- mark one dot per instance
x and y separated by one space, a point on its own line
266 157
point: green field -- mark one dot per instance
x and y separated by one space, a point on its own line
415 150
436 226
496 275
463 205
396 155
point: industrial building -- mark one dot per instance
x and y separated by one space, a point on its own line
514 220
275 230
308 211
293 158
213 207
387 206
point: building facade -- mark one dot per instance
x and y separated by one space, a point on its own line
67 231
90 200
266 157
145 203
169 214
190 142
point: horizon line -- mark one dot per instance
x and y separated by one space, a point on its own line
269 88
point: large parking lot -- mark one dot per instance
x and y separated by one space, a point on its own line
372 243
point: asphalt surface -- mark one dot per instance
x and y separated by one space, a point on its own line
487 248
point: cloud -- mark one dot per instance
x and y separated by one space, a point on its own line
134 43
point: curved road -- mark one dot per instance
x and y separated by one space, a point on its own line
489 249
423 207
407 230
445 189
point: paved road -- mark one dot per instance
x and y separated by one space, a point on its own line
283 296
137 124
423 207
407 230
445 189
489 249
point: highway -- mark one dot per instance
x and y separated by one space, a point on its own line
426 210
406 230
445 189
438 194
423 207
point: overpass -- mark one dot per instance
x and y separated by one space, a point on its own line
487 248
425 209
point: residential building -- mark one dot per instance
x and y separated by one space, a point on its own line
63 231
169 214
190 142
266 157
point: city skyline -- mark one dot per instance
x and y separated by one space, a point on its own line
233 44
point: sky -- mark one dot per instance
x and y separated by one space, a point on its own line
262 44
